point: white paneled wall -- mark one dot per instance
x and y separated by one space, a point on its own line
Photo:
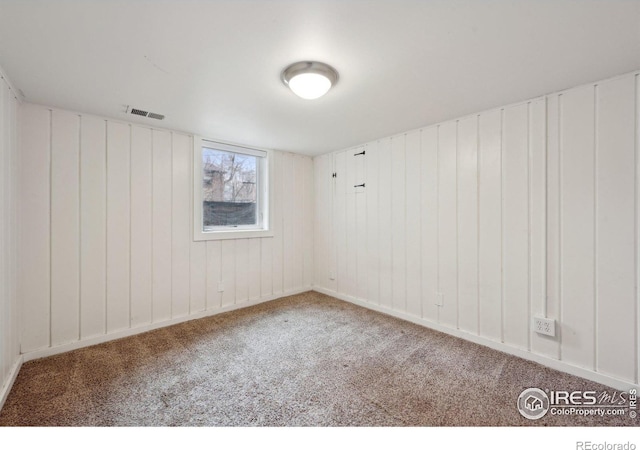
9 307
476 225
106 246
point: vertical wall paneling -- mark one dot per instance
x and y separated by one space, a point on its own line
560 171
538 160
412 235
107 241
277 223
490 223
468 224
615 239
332 255
351 175
398 223
320 240
523 211
254 269
241 270
161 232
372 259
636 76
577 204
11 129
118 226
214 274
447 225
298 174
198 276
65 228
93 226
180 223
429 221
323 178
552 305
515 237
361 225
5 302
9 315
385 225
141 223
308 228
34 283
266 267
15 305
197 260
288 226
228 271
340 217
7 234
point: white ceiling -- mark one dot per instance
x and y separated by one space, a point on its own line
213 67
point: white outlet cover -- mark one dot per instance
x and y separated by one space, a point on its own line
542 325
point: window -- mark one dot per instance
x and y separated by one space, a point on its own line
230 191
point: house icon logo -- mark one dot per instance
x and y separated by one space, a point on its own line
533 403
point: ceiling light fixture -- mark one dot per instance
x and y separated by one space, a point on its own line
309 79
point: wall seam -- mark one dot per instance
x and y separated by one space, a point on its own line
502 299
420 192
595 228
636 224
529 225
50 227
478 204
560 227
80 271
457 210
438 294
406 256
130 224
171 234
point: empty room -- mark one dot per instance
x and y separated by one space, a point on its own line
319 213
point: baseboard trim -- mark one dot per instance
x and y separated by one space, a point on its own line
524 354
63 348
13 374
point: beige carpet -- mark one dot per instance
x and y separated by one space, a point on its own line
303 360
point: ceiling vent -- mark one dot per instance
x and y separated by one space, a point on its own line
155 116
140 112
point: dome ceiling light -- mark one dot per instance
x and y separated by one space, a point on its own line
309 79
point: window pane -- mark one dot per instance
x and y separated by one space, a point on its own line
229 189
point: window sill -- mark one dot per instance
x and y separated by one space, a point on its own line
232 234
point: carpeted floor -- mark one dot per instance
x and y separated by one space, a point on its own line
303 360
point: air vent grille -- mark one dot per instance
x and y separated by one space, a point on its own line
140 112
155 116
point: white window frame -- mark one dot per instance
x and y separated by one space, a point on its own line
265 201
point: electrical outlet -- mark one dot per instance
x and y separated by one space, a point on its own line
220 286
332 275
439 299
544 326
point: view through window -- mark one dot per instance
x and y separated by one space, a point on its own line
230 190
